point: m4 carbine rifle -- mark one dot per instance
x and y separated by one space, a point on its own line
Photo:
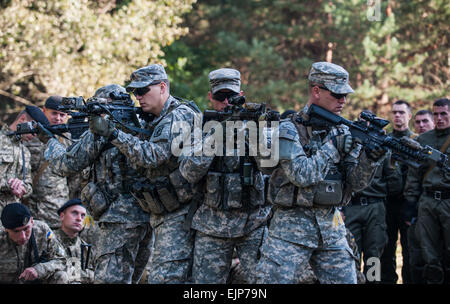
235 112
368 130
120 109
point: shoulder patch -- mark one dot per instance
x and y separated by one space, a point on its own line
49 235
288 134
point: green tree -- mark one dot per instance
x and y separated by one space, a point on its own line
73 47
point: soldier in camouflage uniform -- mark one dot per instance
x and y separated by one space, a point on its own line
307 187
15 175
427 192
50 188
28 250
365 215
233 215
164 193
72 214
123 242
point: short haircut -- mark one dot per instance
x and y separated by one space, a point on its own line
424 112
23 112
442 102
400 102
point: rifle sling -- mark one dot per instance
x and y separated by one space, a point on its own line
431 167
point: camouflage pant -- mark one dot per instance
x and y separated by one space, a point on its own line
171 259
213 255
283 262
123 251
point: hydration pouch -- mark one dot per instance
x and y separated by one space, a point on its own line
330 191
213 197
283 193
166 196
182 187
97 201
233 190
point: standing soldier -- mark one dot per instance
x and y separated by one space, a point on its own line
427 191
123 240
317 171
28 249
233 215
365 215
72 214
395 203
50 188
15 170
423 122
165 193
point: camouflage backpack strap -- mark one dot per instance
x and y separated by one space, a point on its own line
303 132
191 104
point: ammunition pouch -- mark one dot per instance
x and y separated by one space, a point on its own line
96 199
226 191
329 192
165 195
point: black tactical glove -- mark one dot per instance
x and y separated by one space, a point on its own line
375 152
100 126
43 134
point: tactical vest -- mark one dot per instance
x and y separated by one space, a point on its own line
329 192
234 182
167 193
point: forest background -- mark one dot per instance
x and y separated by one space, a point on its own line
391 49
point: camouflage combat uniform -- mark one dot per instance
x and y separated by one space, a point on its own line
50 189
124 233
173 245
432 198
72 247
365 215
232 216
306 188
14 259
11 166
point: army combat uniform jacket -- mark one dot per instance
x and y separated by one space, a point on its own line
72 247
11 166
308 189
15 259
50 189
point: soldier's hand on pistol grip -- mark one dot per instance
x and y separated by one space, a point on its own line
100 126
375 152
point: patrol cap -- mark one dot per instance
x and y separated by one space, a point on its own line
37 115
70 203
332 76
225 78
147 75
15 215
53 102
104 91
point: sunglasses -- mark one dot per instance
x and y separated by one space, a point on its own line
221 96
143 91
335 95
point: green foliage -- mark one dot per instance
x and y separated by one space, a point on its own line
73 47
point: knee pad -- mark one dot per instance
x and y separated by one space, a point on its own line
433 274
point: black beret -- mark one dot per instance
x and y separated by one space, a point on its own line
72 202
15 215
53 102
37 115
